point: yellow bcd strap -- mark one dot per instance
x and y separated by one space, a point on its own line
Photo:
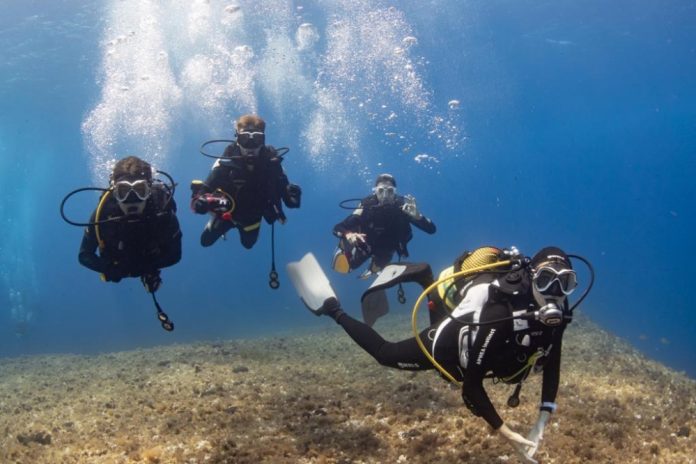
97 232
530 363
252 227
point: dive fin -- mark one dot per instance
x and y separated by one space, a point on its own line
340 262
311 283
395 274
374 305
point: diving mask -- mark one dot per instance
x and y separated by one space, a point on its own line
546 276
122 189
385 193
251 140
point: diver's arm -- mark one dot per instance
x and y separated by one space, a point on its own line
170 245
424 224
410 209
474 395
88 248
549 389
350 224
476 399
552 374
490 340
221 173
291 194
215 178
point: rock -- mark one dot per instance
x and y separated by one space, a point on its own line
42 438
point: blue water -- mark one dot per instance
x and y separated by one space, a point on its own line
512 122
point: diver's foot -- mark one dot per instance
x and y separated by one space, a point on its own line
366 274
373 270
331 308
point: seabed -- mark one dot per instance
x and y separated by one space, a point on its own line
317 398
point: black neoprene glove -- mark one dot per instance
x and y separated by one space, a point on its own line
294 195
112 275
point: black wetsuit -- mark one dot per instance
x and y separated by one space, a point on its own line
387 230
257 184
501 350
133 248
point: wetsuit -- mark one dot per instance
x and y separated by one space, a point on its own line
133 248
387 230
256 184
469 353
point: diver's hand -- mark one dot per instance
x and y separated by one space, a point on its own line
294 193
518 442
111 273
209 202
151 281
110 277
200 205
197 188
537 433
355 238
409 207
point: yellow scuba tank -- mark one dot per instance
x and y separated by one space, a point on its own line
448 289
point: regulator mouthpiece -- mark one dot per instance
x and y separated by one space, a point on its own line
549 314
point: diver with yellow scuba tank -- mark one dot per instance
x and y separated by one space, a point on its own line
494 314
134 231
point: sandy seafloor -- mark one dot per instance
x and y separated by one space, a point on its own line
317 398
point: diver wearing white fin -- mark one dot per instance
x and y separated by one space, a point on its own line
507 320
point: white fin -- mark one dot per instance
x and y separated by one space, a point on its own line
311 283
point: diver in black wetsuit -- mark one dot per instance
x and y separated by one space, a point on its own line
482 340
379 227
247 184
144 235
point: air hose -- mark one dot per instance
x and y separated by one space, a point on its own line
414 314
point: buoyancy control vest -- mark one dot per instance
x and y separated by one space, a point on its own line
126 240
385 224
529 341
254 182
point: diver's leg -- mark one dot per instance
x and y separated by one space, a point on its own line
380 259
215 228
405 354
248 235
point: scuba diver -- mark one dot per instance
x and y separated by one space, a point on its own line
246 183
134 232
379 227
147 240
494 314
